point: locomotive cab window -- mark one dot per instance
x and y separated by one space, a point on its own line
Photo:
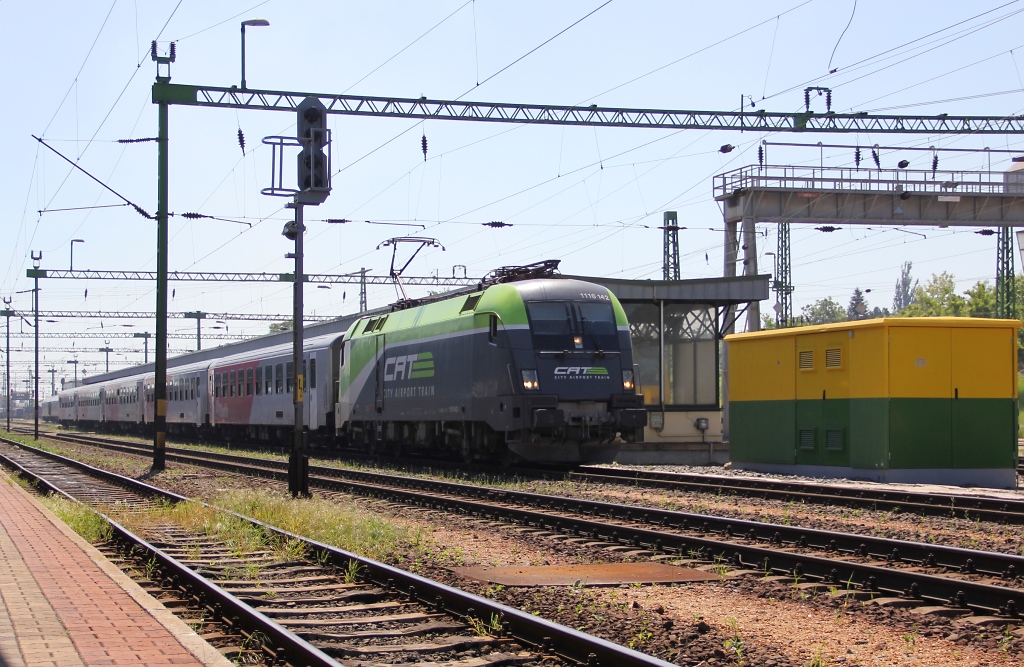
562 325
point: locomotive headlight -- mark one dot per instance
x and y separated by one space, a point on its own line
578 342
530 381
627 380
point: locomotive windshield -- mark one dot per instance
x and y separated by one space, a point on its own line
565 325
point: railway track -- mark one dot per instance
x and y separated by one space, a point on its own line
940 579
925 504
332 605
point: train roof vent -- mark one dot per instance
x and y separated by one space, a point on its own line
807 360
380 323
471 302
834 358
370 323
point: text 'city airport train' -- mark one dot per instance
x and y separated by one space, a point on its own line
535 369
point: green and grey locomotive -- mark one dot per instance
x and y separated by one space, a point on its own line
537 369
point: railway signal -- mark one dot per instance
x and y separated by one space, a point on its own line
314 165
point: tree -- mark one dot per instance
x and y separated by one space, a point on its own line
858 308
823 311
906 287
981 300
278 327
767 322
937 298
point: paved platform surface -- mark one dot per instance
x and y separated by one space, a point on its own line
62 603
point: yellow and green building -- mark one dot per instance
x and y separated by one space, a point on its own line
925 400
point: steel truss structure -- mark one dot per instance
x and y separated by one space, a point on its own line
141 315
216 276
544 114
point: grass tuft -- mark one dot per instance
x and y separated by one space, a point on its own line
80 518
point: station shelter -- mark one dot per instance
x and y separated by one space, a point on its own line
677 328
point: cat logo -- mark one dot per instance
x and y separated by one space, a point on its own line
409 367
580 372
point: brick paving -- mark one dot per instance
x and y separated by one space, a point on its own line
58 607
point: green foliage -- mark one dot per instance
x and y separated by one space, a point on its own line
823 311
937 298
278 327
906 287
981 300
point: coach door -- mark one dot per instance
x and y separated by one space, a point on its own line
378 374
309 402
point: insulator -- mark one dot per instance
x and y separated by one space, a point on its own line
152 49
241 140
828 228
174 50
935 163
807 99
874 156
424 142
497 224
760 155
828 100
856 156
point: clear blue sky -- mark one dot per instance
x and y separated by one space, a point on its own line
591 197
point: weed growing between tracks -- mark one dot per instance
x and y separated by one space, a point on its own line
342 525
84 521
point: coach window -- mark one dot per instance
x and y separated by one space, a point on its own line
232 379
248 382
279 379
216 385
268 379
259 380
241 382
312 373
289 371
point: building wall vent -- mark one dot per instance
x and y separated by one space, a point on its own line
807 360
834 439
805 438
834 358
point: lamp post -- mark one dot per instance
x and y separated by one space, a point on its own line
256 23
71 264
75 362
198 316
35 274
7 312
107 349
145 345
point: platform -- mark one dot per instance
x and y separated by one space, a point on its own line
62 603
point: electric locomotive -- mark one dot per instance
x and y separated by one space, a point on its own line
537 369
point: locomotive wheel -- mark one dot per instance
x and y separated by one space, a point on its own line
467 451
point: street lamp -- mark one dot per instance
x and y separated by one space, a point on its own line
256 23
145 344
75 362
71 264
198 316
106 348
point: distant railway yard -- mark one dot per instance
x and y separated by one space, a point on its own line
754 576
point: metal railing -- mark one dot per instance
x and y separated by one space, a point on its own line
861 179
